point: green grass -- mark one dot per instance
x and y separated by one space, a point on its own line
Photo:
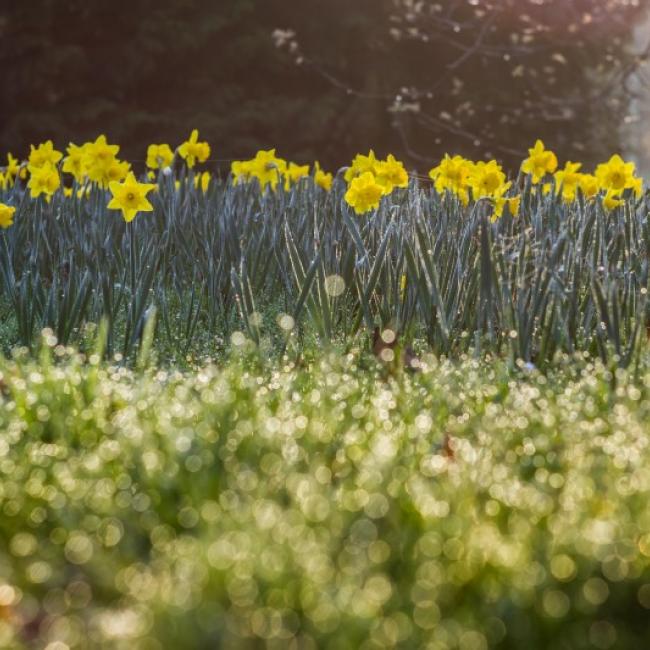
257 504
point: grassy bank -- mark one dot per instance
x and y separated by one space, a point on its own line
332 505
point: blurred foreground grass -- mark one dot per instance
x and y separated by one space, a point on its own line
327 506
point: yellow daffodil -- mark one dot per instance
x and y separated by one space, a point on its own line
74 164
44 154
294 173
360 165
612 200
13 167
130 197
390 173
568 180
6 215
589 185
98 158
321 178
268 168
44 180
192 150
117 171
452 175
540 162
241 171
364 193
486 178
159 156
615 174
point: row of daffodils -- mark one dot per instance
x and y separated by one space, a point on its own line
368 179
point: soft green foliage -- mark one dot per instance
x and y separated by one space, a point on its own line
556 279
256 505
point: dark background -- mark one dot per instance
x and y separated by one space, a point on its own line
413 78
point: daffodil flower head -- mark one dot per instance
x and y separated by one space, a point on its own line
6 215
193 151
615 174
242 171
44 180
360 165
589 185
364 193
390 173
44 154
294 173
117 171
568 180
540 162
452 175
612 200
159 156
321 178
98 158
74 162
130 197
486 178
13 167
268 168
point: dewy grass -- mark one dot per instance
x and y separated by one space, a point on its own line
330 505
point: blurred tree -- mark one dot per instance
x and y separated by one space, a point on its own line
324 78
488 77
152 73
